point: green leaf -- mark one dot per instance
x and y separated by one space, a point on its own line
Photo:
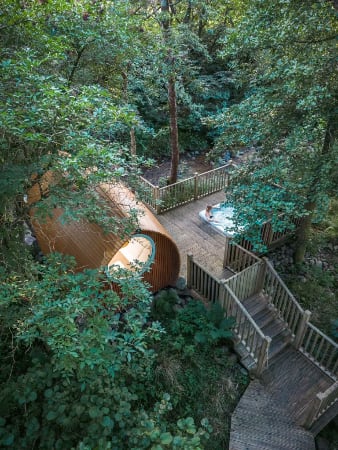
166 438
51 415
93 412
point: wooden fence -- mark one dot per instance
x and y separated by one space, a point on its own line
322 350
161 199
226 292
236 257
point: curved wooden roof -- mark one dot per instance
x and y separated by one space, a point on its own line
92 248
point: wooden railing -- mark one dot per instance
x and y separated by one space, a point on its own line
202 281
236 257
270 238
246 330
148 193
318 347
285 304
322 402
161 199
247 283
322 350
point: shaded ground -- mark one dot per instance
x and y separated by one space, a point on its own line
187 168
189 165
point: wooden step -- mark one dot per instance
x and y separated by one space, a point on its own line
274 327
260 423
264 317
255 303
279 342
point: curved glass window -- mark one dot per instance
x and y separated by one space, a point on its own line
136 255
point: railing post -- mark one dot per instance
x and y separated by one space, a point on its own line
261 275
157 200
189 270
317 402
195 185
226 252
302 329
222 296
227 183
263 355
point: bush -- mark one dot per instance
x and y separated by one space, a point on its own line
195 364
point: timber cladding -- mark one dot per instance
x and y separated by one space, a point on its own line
92 248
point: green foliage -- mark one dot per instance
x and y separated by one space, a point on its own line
195 364
164 304
282 54
316 289
329 227
204 325
77 365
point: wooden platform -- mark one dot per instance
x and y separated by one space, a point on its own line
261 423
192 235
273 410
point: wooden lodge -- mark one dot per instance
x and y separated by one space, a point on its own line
151 247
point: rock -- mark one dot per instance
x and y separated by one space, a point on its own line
319 263
181 283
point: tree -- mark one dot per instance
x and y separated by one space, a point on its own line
77 369
283 56
54 113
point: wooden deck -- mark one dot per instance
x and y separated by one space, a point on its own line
273 410
192 235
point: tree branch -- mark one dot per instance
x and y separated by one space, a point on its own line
317 41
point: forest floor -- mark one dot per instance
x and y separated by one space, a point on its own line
188 166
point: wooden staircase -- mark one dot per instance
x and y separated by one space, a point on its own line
260 423
267 319
273 410
297 390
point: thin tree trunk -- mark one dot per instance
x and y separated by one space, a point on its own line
305 226
175 154
132 141
173 129
302 235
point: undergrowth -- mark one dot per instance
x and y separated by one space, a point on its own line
196 365
317 290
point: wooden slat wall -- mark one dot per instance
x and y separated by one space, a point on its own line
92 248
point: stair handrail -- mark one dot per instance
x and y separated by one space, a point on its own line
259 350
322 402
321 349
281 282
236 257
287 307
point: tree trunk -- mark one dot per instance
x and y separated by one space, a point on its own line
175 154
173 129
302 235
132 142
305 226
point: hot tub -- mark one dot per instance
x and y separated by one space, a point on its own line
221 221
